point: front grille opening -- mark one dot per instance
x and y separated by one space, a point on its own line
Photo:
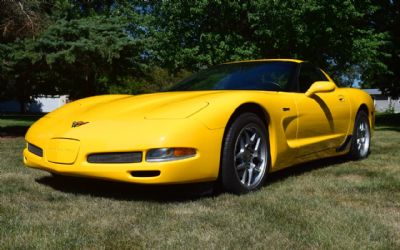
146 173
35 150
122 157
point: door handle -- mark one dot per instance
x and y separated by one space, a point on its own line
341 98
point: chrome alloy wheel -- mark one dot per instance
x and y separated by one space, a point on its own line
363 137
250 158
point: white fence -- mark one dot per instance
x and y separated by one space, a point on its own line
39 104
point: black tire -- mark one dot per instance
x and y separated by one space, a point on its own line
361 138
245 154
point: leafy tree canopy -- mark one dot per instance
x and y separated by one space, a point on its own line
333 34
384 73
97 46
79 57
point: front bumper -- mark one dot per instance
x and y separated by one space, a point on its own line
204 166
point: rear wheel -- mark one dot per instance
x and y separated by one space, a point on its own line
360 144
245 155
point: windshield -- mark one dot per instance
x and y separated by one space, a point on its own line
273 76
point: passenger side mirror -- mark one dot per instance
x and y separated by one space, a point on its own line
319 87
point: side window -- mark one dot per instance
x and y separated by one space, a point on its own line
308 75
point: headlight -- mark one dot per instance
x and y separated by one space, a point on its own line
169 154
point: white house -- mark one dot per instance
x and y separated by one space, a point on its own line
38 104
382 102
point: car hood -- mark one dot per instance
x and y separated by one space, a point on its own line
167 105
107 115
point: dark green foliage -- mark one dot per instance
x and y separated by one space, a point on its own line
72 57
90 47
385 74
81 52
333 34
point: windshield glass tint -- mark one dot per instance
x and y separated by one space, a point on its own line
273 76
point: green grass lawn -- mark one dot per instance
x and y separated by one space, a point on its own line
326 204
16 125
17 120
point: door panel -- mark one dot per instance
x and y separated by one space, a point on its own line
323 121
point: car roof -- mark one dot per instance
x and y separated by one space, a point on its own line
268 60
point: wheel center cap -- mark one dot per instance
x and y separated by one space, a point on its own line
247 156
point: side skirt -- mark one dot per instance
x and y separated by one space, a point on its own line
345 144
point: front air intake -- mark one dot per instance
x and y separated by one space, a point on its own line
145 173
122 157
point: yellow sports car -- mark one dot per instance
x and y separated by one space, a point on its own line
233 123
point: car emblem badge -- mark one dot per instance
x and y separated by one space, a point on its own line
78 123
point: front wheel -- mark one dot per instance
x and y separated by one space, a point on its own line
245 154
360 144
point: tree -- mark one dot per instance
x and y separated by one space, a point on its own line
80 54
91 47
78 57
332 34
21 75
23 18
19 20
88 53
384 73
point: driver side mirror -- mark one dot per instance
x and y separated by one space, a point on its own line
319 87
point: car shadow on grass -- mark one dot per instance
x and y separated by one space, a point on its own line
166 193
303 168
128 191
